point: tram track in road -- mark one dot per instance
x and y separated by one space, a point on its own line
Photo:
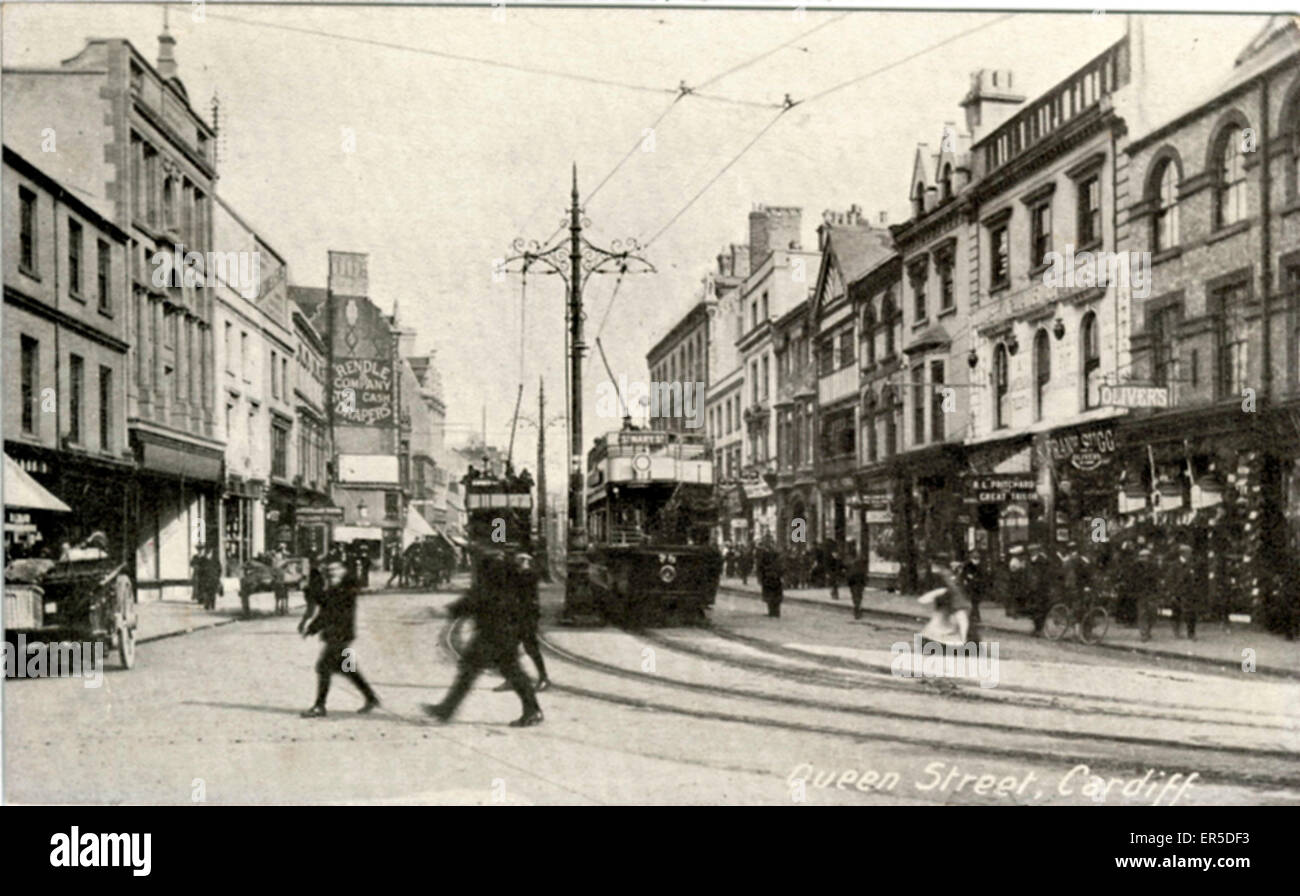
904 621
876 677
1237 766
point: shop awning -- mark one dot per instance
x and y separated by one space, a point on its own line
358 533
417 527
22 491
458 541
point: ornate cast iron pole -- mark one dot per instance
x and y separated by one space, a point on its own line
584 260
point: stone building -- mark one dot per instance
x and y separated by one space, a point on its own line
1214 203
124 135
66 355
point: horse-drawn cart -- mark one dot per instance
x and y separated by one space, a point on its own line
60 586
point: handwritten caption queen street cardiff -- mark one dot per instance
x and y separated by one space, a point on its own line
1154 788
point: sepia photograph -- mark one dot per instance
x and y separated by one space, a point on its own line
662 404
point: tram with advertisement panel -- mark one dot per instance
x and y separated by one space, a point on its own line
651 509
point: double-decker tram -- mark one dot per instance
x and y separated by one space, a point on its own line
650 510
499 517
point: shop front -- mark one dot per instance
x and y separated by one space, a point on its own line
1224 482
878 541
243 523
178 498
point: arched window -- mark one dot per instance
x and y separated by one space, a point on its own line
1090 351
946 180
1289 127
1042 371
1001 403
1164 222
1230 179
169 201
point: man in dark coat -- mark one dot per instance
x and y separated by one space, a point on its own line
496 603
313 592
1038 588
855 576
771 569
1183 584
336 622
530 618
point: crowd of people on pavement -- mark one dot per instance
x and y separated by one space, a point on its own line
1134 569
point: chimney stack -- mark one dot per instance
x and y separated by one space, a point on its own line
989 102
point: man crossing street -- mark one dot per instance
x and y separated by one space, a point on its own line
336 622
497 605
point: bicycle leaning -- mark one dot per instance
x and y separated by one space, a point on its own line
1088 615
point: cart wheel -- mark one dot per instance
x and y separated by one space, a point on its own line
1057 622
124 607
126 645
1093 626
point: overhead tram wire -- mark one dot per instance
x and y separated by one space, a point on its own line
476 60
790 104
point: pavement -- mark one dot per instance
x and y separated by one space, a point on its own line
1218 644
166 618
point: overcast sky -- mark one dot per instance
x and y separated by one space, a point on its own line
453 158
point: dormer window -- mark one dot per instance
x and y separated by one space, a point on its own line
946 181
918 200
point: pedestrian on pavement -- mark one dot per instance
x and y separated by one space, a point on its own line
1183 585
365 565
1038 585
771 569
398 571
833 570
336 623
973 580
856 578
495 604
1145 572
746 564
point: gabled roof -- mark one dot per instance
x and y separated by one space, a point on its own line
1278 27
850 252
920 170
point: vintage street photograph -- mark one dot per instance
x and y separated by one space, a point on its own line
523 404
